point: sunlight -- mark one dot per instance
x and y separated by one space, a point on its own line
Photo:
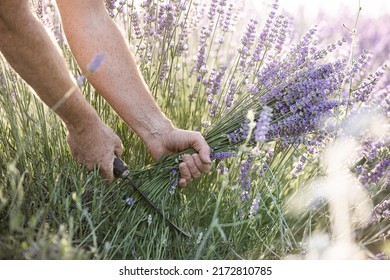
309 9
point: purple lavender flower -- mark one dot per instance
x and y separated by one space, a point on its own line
80 80
214 82
229 97
174 180
222 155
382 210
183 40
96 62
306 49
240 134
149 17
371 176
201 67
362 94
262 125
222 169
39 10
247 42
301 102
221 4
164 70
169 20
381 100
299 166
226 21
282 23
136 25
212 9
382 256
130 201
265 39
160 21
110 6
213 107
255 206
244 178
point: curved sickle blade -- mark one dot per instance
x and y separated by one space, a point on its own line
121 170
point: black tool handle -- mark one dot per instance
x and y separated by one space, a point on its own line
121 170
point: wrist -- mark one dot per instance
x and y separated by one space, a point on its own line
156 139
83 121
156 132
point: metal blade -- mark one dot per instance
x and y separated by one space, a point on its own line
121 170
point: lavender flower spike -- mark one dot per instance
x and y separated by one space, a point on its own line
96 62
255 206
244 178
263 124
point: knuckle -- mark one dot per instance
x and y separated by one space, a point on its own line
187 158
196 157
184 171
198 134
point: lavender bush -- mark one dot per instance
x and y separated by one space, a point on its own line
267 102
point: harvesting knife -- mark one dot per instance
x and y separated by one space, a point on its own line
121 170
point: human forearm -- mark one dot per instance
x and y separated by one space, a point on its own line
89 30
29 50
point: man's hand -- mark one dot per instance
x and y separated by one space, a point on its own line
176 140
95 146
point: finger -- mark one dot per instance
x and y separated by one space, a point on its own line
185 171
182 182
106 168
88 164
118 149
201 146
203 167
188 159
106 171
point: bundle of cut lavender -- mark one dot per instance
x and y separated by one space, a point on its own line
290 102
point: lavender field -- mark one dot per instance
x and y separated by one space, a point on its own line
297 116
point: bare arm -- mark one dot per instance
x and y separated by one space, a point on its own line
90 30
29 49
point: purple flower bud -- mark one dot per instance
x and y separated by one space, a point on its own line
244 178
130 201
255 206
262 125
174 179
96 62
222 155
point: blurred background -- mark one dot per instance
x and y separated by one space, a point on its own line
337 18
310 10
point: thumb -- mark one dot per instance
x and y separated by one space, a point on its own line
118 150
203 149
107 171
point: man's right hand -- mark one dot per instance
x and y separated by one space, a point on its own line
95 145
